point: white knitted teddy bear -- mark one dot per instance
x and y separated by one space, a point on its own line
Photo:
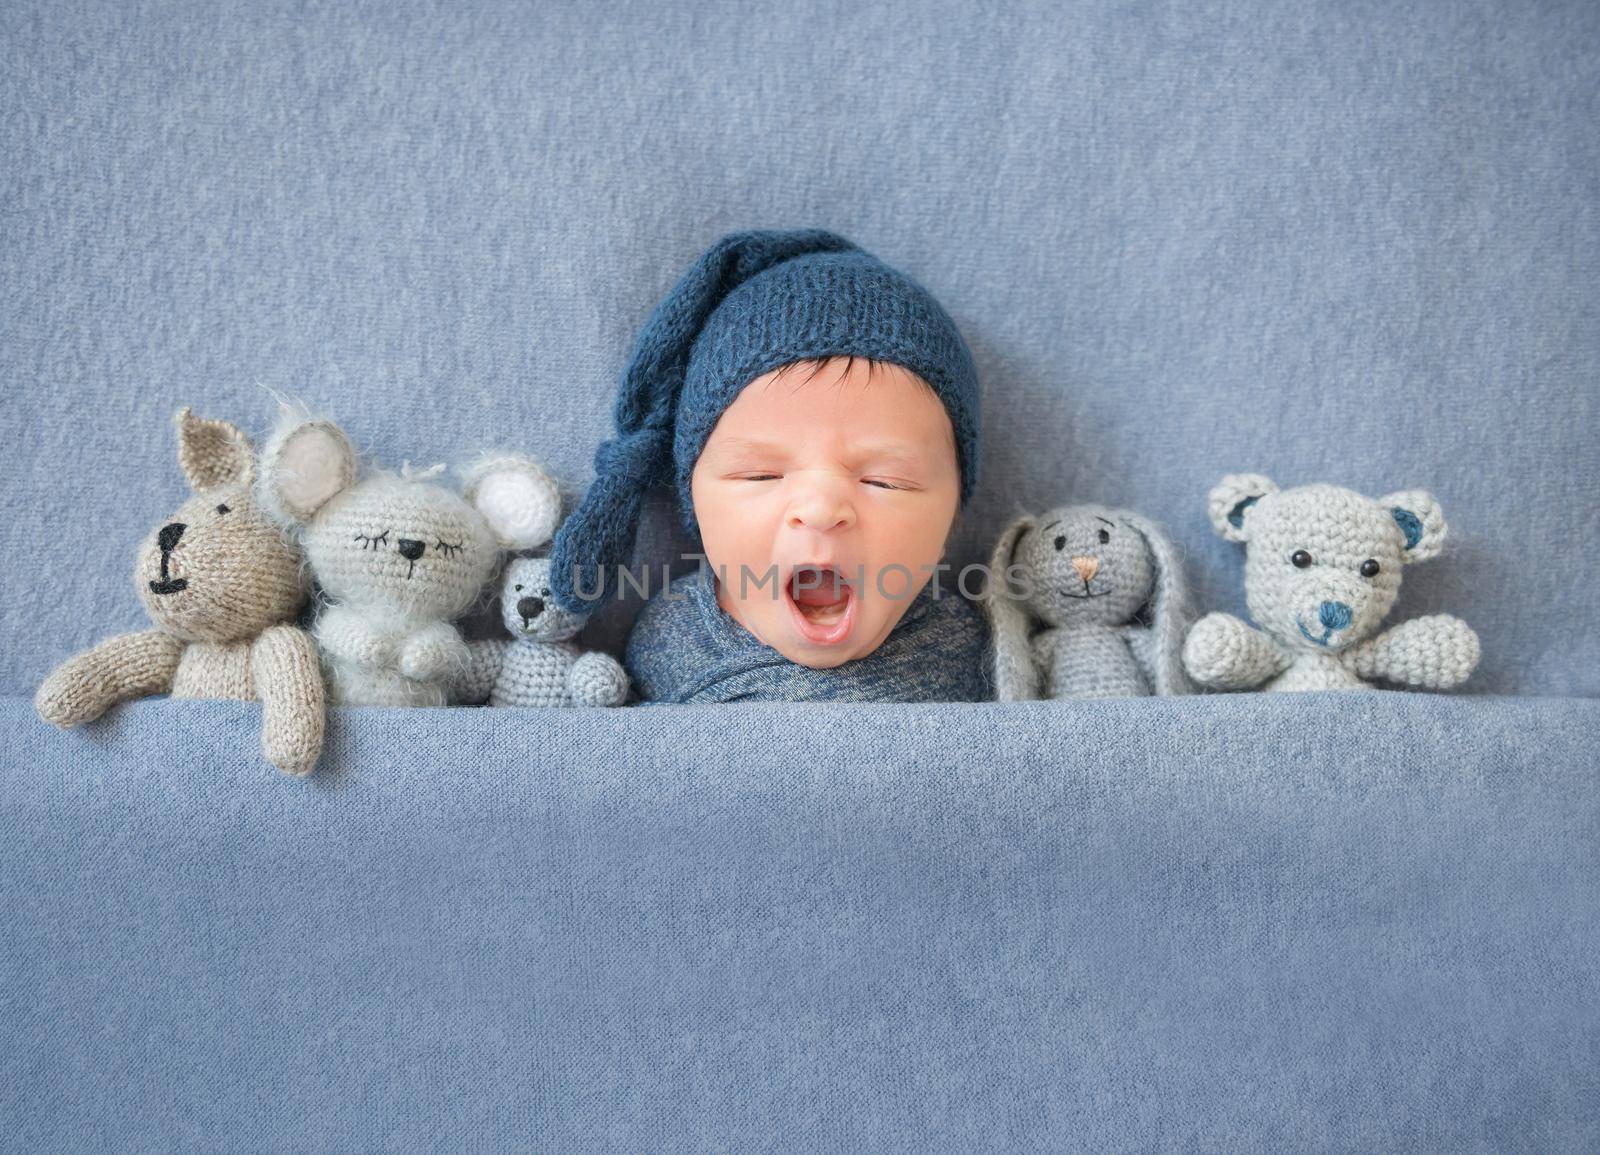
1322 570
542 666
397 555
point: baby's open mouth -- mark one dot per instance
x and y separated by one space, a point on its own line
822 603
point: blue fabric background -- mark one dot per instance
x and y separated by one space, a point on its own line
1340 241
1335 241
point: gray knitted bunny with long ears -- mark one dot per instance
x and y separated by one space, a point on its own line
1086 602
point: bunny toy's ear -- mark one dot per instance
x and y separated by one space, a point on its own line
1160 647
304 463
519 500
1230 500
212 453
1016 679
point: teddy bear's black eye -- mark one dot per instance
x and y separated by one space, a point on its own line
1301 559
222 509
1105 536
1061 544
546 593
1370 568
519 589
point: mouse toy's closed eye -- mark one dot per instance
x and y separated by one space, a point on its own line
1086 602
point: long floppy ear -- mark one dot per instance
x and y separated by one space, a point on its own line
1016 678
212 453
1229 502
517 498
1421 521
304 463
1160 647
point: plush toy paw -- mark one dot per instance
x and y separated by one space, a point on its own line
294 749
1436 652
67 698
1220 650
433 652
596 679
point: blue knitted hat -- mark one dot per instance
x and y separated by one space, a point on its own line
750 303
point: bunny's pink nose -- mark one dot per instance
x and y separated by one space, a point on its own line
1087 567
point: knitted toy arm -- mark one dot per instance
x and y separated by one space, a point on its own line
346 637
283 663
477 680
597 679
1436 652
119 668
1224 653
433 653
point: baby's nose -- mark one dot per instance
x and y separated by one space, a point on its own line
1087 567
822 509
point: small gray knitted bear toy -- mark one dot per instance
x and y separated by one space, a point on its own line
542 666
398 556
1087 573
1322 570
223 585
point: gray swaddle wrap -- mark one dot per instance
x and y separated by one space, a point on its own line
685 648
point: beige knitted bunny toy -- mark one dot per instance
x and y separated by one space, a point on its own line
223 585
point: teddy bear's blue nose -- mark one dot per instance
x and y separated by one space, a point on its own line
1334 615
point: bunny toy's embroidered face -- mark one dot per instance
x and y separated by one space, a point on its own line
218 569
395 542
1086 567
1323 564
527 608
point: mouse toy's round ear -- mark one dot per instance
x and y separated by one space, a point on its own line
304 463
1010 622
212 453
518 499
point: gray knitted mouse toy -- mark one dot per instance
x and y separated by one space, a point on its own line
542 666
1108 589
1322 571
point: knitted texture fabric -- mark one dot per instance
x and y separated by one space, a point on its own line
752 302
542 666
223 585
1086 602
685 648
397 556
1322 571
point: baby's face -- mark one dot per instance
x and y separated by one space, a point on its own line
853 472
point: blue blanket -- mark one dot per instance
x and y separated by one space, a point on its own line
1267 922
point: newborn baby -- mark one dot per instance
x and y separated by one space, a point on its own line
817 414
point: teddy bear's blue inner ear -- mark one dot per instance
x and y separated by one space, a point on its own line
1236 514
1410 525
